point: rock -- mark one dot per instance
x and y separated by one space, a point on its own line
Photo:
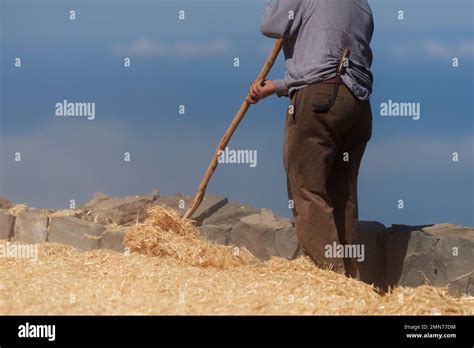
216 233
454 258
67 212
409 258
438 255
31 227
372 235
258 232
113 239
266 220
118 210
95 200
5 203
230 214
80 234
258 242
42 211
16 209
7 222
178 202
208 206
286 243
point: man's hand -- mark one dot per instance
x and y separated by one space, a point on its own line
260 89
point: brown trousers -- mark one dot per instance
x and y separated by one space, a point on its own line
325 138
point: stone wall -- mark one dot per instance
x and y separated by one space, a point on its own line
439 255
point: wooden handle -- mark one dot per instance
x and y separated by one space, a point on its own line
229 132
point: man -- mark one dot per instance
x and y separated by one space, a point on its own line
330 121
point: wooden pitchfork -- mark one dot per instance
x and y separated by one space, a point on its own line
229 132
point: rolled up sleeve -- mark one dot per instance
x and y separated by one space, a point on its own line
281 89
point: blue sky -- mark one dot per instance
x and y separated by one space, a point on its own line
190 62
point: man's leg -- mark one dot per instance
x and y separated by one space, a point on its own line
342 181
288 140
312 140
342 189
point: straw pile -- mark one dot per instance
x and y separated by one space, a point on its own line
164 234
187 275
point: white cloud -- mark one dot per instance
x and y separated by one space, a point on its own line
147 48
445 50
434 49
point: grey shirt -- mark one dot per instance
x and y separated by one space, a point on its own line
315 34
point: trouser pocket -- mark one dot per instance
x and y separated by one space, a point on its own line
323 101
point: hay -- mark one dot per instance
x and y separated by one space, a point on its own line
65 281
18 208
173 271
165 234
